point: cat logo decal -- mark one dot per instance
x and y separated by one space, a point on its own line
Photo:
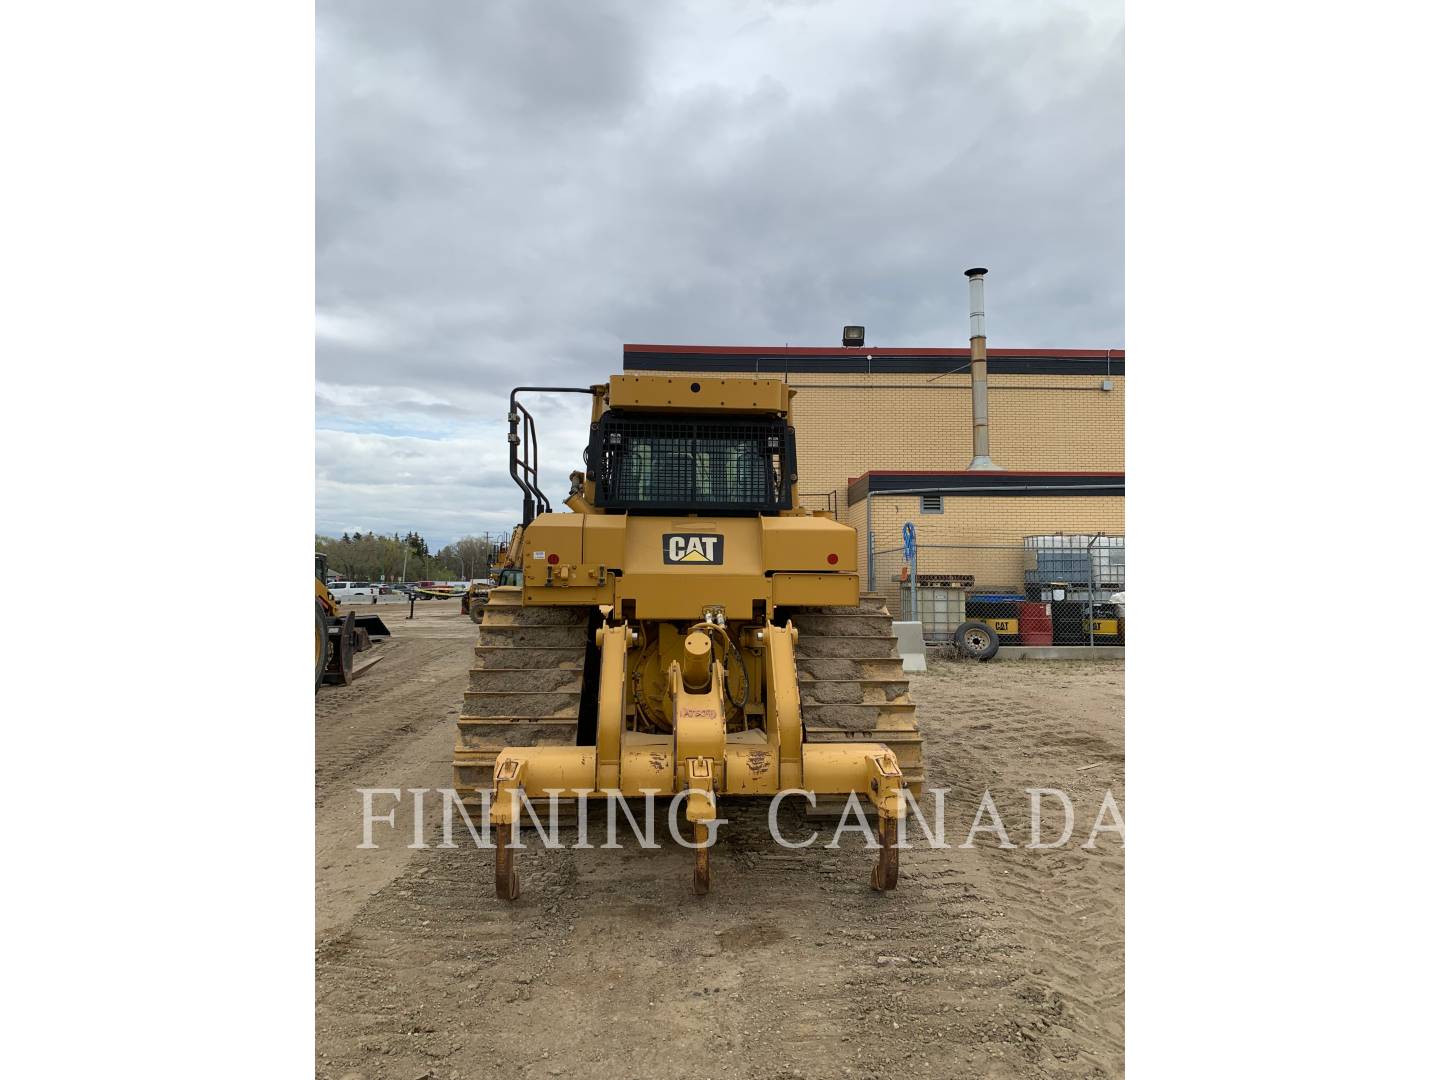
706 548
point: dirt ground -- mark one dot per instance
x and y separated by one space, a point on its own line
986 962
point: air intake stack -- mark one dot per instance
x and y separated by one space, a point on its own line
979 384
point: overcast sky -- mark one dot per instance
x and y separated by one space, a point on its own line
509 190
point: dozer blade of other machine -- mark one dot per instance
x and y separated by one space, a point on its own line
372 625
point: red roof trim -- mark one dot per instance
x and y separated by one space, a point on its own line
782 350
980 472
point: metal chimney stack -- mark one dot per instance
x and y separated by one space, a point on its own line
979 382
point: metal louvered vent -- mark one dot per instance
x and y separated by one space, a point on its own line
671 463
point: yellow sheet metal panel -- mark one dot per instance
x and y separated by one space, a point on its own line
700 546
695 394
604 540
676 567
557 596
550 534
815 589
553 568
806 543
658 597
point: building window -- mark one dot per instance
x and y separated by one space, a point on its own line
932 504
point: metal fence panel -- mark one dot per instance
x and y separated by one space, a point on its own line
1061 590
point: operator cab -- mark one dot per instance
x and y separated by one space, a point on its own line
670 462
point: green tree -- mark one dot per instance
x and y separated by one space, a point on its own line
475 553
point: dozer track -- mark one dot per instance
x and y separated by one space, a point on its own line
852 685
525 686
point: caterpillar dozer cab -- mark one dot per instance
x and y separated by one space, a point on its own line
687 628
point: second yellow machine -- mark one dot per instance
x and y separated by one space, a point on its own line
686 628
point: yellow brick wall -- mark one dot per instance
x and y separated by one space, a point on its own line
849 424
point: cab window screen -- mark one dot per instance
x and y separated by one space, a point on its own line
668 463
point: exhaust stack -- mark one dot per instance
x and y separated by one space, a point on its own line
979 383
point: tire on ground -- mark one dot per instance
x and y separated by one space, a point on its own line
977 640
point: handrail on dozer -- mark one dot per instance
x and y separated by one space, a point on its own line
525 465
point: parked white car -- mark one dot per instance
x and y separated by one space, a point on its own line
354 592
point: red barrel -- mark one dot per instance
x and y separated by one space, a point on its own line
1036 627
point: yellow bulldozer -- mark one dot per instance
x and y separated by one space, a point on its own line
687 628
502 571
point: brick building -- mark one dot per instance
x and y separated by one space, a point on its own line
885 437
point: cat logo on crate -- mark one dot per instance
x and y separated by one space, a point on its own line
708 548
1003 626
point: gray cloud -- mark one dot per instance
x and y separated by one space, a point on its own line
508 191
